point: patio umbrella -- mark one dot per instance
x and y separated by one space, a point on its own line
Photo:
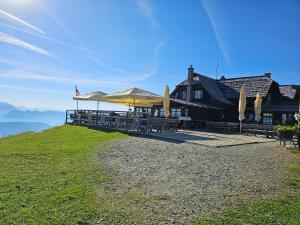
166 102
92 96
242 106
257 107
134 97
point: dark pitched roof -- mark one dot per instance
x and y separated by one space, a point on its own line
210 85
195 104
281 107
231 87
288 91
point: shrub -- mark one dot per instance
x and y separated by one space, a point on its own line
282 128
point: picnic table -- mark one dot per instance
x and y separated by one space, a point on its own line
227 126
254 129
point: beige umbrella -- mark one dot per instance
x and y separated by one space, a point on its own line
92 96
242 106
134 97
257 107
166 102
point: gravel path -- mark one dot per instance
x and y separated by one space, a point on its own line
176 183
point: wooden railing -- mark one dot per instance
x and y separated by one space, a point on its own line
129 121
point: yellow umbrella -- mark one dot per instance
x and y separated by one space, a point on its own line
166 102
242 106
134 97
257 106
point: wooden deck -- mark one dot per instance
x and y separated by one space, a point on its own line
144 123
121 120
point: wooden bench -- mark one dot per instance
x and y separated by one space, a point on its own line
227 126
156 124
254 129
172 124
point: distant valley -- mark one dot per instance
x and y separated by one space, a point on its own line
14 120
10 128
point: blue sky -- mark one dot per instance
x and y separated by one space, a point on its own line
46 47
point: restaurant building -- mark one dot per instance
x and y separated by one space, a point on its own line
205 99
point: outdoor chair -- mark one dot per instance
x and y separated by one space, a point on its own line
172 125
155 124
77 119
102 121
89 120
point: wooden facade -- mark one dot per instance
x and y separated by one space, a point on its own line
205 99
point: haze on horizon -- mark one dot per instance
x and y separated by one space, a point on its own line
49 46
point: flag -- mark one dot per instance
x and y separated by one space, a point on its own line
77 93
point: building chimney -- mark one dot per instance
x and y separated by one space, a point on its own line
189 83
190 74
268 75
222 78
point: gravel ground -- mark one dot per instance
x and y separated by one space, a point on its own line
161 182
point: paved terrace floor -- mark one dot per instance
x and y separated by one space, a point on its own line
211 139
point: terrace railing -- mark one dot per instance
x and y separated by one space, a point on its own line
133 121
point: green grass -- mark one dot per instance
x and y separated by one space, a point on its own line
51 177
285 210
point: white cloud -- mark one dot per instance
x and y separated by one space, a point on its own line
216 23
34 89
46 37
152 71
17 20
19 74
18 42
146 9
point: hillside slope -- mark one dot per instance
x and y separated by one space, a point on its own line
50 177
6 107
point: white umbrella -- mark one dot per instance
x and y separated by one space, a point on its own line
92 96
242 106
257 107
166 102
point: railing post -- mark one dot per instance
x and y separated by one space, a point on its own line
148 121
66 117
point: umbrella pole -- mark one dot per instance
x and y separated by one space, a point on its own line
240 126
77 105
97 113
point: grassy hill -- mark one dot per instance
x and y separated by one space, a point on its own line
50 177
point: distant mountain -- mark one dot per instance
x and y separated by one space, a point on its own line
6 107
11 128
52 118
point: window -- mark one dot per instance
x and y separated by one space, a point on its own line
183 94
175 112
161 112
250 117
283 118
176 95
198 94
268 118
